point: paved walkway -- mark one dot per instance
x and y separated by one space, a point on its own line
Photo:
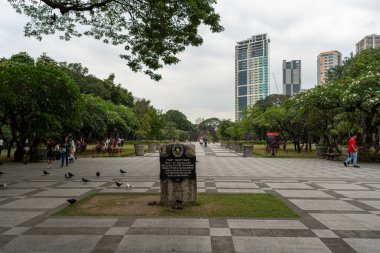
339 207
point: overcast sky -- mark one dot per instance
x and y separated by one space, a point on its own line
202 84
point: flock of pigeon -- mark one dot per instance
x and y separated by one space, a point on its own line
70 175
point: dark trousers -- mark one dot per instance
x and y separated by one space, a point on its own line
64 156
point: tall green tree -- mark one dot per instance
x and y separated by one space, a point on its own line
152 32
37 101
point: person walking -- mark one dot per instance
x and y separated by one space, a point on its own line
26 150
353 151
65 150
49 153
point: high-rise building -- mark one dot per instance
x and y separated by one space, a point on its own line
369 41
326 61
251 72
291 77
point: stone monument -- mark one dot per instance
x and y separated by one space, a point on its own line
178 174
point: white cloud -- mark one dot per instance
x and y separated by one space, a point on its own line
202 84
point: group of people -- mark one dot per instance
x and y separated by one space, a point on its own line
64 151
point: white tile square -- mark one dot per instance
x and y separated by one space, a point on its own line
117 231
16 231
324 233
220 232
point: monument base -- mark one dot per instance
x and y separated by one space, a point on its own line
178 190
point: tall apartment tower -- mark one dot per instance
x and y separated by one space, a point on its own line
326 61
291 77
369 41
251 72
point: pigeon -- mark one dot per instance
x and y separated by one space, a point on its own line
45 172
97 173
67 177
118 184
1 173
129 185
85 180
122 171
3 186
71 201
70 174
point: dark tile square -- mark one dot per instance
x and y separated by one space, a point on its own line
178 231
218 223
199 231
346 233
241 232
367 234
111 239
210 184
337 245
124 222
262 232
6 238
282 233
3 229
157 231
222 244
303 233
66 231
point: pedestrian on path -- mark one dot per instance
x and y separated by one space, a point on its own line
353 151
65 150
49 152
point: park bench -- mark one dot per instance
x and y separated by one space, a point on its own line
332 156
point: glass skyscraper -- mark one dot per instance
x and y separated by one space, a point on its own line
251 72
291 77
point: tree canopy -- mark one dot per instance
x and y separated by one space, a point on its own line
152 32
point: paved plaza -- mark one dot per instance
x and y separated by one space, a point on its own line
339 207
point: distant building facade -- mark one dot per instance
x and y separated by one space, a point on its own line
326 61
369 41
251 72
291 77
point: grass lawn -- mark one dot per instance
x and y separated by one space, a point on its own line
243 205
259 150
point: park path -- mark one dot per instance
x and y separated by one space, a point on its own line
339 207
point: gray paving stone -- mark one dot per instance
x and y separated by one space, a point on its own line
80 184
31 203
364 245
336 205
289 186
52 243
13 218
266 224
66 231
117 231
349 221
171 222
360 194
240 190
373 203
33 184
341 186
78 222
236 185
62 192
279 244
303 194
220 232
325 233
16 231
222 244
14 192
148 243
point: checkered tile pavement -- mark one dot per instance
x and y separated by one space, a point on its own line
339 207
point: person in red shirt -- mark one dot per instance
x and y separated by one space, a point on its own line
353 151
